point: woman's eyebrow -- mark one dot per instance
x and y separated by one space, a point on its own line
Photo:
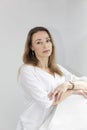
41 39
48 38
38 40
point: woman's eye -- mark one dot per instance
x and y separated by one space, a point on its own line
39 42
48 40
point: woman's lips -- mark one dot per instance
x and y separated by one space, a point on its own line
46 51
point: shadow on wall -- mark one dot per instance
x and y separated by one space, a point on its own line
79 53
60 49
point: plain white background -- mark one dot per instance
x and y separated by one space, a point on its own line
66 19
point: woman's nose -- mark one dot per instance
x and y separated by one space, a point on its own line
45 44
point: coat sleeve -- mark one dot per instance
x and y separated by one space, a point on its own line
33 87
70 76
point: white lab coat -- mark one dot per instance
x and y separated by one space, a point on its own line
39 114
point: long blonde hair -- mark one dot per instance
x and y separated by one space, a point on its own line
30 58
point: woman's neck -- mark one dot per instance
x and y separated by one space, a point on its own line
43 64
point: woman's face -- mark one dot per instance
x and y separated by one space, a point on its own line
41 44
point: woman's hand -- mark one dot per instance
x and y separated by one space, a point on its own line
81 92
61 89
64 90
60 92
80 88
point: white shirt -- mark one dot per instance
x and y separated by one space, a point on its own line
36 84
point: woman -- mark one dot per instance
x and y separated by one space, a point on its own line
45 84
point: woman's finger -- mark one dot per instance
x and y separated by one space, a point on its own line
83 93
59 95
55 92
50 94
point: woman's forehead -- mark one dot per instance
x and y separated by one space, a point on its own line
40 35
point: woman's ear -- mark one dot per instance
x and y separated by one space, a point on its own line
32 48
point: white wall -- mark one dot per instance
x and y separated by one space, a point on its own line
67 19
